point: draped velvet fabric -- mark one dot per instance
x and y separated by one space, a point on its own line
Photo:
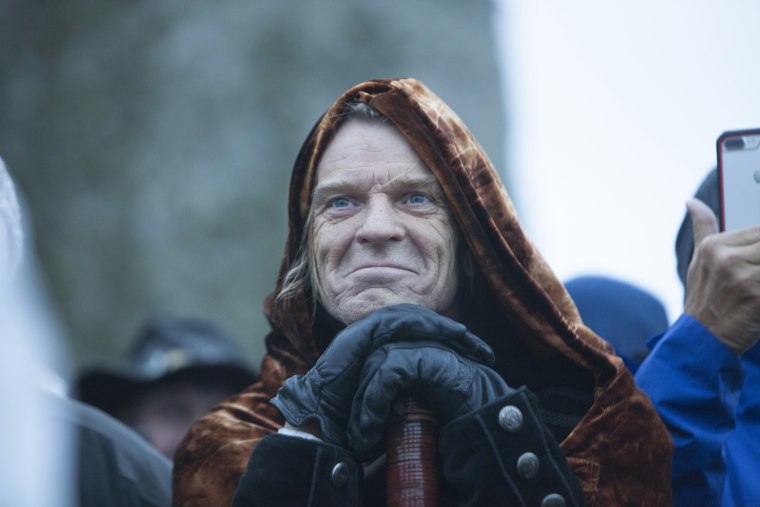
619 449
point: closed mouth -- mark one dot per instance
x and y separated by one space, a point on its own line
381 266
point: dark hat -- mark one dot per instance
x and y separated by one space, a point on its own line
621 313
166 349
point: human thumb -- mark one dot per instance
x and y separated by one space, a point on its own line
702 218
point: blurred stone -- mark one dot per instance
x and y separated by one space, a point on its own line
154 140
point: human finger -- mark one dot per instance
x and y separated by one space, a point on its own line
745 254
703 220
749 236
407 322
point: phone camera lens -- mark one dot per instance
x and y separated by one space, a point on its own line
734 143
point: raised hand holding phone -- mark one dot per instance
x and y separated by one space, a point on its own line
723 281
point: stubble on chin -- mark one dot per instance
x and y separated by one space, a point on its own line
349 308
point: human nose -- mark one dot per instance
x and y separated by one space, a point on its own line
381 223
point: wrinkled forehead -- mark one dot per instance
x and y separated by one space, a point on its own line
366 151
371 152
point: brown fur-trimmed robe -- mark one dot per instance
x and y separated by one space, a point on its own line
619 449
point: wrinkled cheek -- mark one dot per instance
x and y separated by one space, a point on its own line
447 279
335 287
332 286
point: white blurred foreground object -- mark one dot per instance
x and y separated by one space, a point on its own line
35 452
54 450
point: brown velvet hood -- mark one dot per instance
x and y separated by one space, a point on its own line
619 450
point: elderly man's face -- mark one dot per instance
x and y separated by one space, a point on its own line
382 232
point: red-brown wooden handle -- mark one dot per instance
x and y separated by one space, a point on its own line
411 462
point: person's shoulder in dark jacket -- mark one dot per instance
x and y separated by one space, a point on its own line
116 466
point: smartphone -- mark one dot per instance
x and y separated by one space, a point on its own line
739 179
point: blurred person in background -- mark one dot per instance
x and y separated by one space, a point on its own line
406 269
176 370
703 374
54 450
621 313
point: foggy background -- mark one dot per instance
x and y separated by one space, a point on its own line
153 141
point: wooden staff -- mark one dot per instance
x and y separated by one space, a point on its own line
412 466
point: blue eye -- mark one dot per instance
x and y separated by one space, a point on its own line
340 202
418 199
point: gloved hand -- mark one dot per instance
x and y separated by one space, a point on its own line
326 392
450 383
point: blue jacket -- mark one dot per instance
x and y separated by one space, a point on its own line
710 401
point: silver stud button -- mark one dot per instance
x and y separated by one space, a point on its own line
510 418
527 465
339 476
553 500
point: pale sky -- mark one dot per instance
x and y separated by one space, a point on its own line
613 112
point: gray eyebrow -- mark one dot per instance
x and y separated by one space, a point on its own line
400 180
321 191
414 181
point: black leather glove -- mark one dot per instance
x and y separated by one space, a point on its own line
450 382
326 392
